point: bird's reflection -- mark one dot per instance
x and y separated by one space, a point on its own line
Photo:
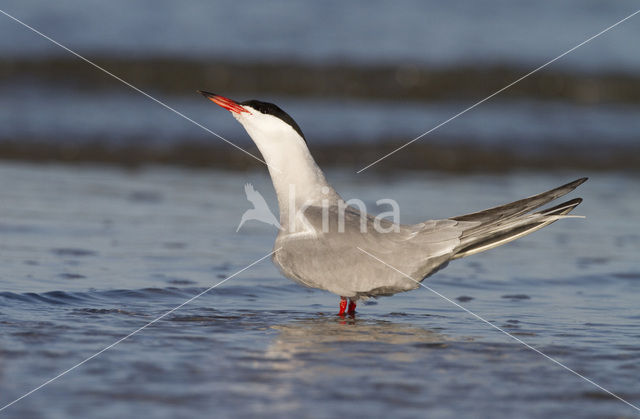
307 341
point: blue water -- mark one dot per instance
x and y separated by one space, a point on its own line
88 255
49 108
463 32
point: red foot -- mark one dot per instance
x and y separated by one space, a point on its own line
352 307
343 306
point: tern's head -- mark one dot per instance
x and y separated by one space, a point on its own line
262 120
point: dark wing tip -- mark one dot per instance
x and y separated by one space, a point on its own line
564 189
578 182
521 206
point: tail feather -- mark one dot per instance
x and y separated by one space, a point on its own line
560 209
506 223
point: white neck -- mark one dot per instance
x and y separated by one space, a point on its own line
296 177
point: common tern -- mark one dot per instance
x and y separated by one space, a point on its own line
325 244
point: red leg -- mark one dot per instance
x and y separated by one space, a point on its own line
352 307
343 305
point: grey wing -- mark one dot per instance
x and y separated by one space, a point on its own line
521 206
500 225
335 258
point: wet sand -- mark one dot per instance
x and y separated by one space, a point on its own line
423 156
401 82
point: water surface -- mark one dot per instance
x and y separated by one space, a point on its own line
88 255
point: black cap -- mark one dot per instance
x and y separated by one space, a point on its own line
272 109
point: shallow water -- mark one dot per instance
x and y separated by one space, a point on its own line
416 31
88 255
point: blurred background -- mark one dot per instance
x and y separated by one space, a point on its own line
115 210
360 79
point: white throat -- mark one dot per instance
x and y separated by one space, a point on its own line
296 177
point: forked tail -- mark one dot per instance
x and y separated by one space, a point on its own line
500 225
